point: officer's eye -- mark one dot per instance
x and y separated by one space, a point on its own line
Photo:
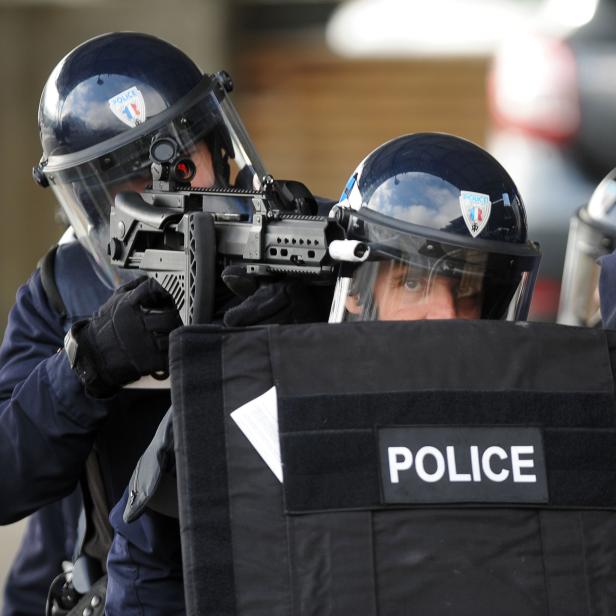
414 284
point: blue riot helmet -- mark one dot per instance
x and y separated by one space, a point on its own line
592 235
434 228
104 106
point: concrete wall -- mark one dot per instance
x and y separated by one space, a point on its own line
314 115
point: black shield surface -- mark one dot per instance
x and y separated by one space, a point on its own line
328 540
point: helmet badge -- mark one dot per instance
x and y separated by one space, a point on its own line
129 106
476 208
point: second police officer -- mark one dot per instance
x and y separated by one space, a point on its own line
65 412
441 230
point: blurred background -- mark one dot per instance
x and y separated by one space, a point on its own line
319 84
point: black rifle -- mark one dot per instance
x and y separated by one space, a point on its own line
184 236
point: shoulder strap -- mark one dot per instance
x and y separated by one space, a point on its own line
48 280
98 543
95 533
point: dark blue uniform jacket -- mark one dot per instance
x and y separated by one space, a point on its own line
48 426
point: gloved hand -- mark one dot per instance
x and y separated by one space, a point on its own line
127 338
288 300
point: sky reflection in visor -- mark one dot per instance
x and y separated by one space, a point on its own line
419 198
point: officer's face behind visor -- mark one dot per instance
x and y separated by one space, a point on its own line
88 206
427 280
206 129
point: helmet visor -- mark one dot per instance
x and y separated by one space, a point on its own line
579 296
411 277
203 126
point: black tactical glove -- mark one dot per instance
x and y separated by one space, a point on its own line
127 338
281 301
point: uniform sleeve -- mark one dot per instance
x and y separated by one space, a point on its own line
48 540
144 566
47 424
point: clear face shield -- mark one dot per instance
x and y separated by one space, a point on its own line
579 296
408 277
205 128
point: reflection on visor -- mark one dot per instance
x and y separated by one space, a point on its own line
464 268
433 259
579 304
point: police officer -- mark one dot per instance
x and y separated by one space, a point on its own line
588 295
434 228
66 411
